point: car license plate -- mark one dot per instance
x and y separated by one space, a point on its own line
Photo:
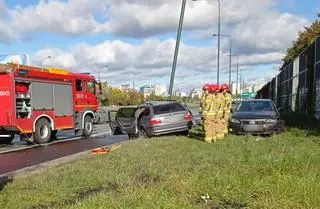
252 128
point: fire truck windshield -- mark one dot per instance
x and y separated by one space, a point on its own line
91 87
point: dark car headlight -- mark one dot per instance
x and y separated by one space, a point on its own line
233 120
271 121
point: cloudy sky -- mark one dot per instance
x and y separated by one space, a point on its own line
136 38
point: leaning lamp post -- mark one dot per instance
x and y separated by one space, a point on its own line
176 51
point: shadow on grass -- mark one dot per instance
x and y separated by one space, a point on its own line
309 125
81 195
196 133
4 181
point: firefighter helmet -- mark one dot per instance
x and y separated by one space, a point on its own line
206 87
225 87
215 88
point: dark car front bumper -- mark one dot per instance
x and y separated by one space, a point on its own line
268 128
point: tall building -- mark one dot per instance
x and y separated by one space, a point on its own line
196 93
157 89
160 89
125 87
235 88
252 88
146 90
184 94
22 59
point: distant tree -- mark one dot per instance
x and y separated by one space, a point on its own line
305 38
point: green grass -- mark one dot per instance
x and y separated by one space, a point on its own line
174 172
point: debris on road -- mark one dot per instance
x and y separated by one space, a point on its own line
104 150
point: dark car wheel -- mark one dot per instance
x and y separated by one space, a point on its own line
143 133
43 131
117 131
7 140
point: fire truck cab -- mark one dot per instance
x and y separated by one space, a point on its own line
37 102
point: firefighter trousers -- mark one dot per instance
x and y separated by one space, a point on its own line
226 122
220 126
210 129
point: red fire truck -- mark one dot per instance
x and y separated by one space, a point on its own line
37 102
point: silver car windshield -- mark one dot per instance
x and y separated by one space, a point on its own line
255 106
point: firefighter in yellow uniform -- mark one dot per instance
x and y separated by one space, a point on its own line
209 115
227 107
220 110
205 88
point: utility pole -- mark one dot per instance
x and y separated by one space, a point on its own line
237 75
230 61
105 66
237 79
133 84
230 54
240 83
176 51
218 68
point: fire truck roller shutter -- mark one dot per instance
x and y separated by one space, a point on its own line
63 100
42 96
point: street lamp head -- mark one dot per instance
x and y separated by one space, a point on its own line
47 57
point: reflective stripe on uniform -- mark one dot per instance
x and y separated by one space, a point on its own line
211 114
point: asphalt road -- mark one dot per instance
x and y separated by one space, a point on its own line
23 156
61 137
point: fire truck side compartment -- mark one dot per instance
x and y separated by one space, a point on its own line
63 100
42 96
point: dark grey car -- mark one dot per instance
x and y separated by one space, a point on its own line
151 119
258 116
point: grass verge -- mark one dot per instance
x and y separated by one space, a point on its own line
175 171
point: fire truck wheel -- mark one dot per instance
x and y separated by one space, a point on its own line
88 126
7 140
43 131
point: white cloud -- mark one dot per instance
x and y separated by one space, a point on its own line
69 18
152 58
260 33
140 18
